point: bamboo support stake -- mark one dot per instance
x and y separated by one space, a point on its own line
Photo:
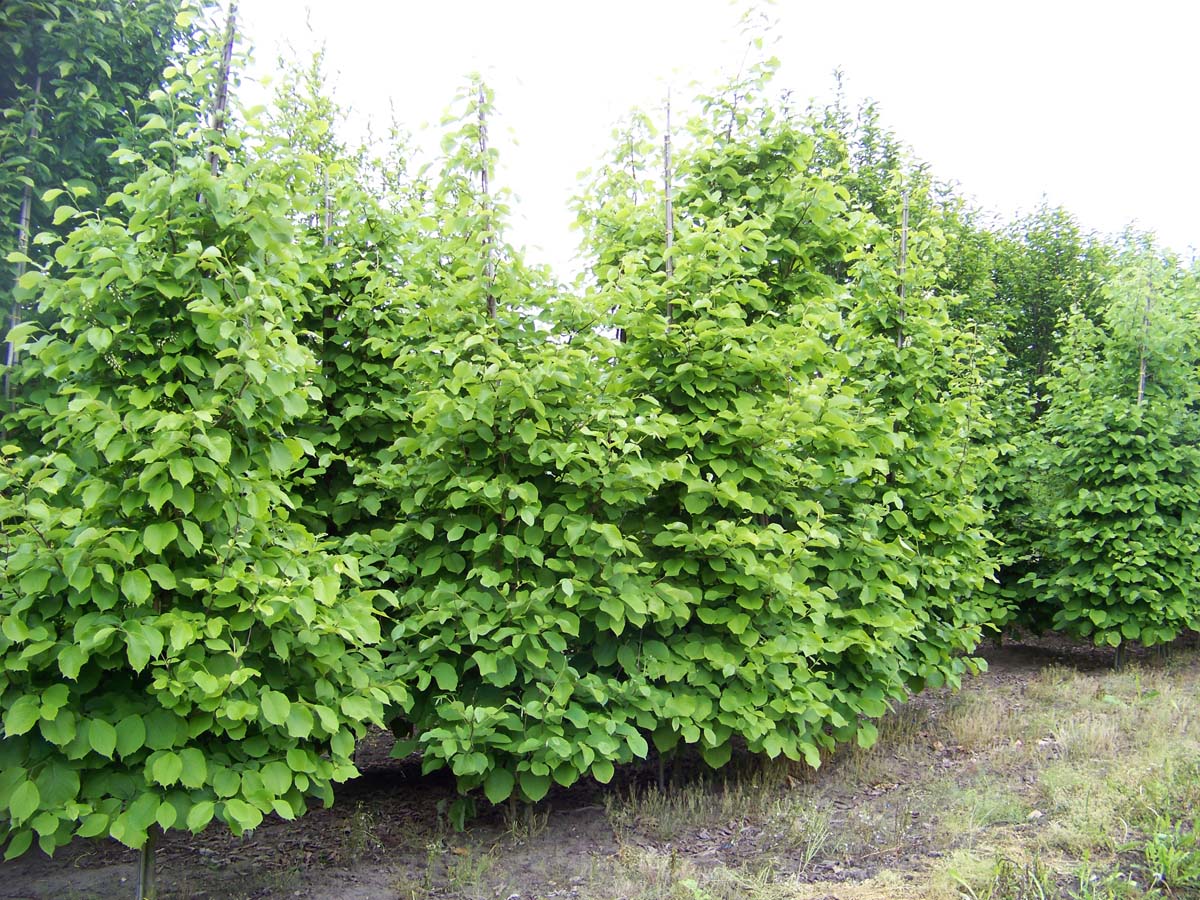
669 209
222 101
489 266
1141 395
903 270
10 352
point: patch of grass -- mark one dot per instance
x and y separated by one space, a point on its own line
978 721
665 815
966 813
1007 879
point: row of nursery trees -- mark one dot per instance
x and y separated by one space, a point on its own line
296 444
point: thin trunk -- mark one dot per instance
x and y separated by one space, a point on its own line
669 208
489 265
147 887
10 351
222 102
1142 350
903 271
1120 657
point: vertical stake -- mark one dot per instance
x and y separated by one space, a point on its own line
222 102
903 270
669 209
489 266
1141 394
10 353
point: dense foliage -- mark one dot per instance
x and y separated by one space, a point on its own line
176 648
1121 462
74 77
304 445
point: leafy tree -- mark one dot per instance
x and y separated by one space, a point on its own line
175 647
1045 267
73 78
1121 459
761 376
499 551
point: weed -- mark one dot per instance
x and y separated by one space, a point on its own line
466 868
523 822
362 832
1172 855
1115 885
1009 880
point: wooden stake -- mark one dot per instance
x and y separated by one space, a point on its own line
10 353
903 270
622 334
222 102
1141 395
328 237
489 266
669 209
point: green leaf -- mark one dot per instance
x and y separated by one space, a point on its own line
534 787
135 585
131 735
24 802
194 771
445 676
167 768
299 722
181 470
275 707
156 537
499 785
602 771
277 778
200 815
242 815
102 737
22 715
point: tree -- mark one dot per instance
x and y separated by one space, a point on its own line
1121 460
176 647
73 80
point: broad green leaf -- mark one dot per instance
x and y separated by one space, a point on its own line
499 785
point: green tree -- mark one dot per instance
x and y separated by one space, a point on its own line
175 648
1121 460
73 81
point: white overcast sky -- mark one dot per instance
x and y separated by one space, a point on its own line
1090 104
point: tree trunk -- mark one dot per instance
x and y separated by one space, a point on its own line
147 887
903 271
